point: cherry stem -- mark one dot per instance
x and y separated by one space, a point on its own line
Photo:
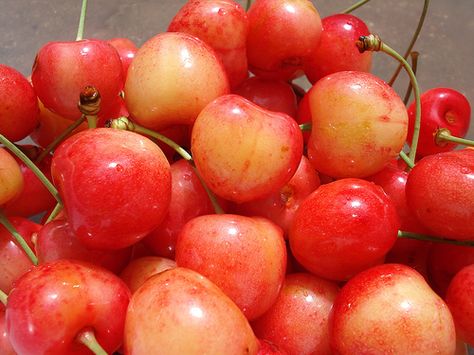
3 297
126 124
413 40
414 66
51 146
54 213
406 159
82 21
89 105
306 126
18 238
354 7
374 43
39 174
429 238
87 337
247 7
444 135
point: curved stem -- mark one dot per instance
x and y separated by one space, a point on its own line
88 338
82 21
414 66
306 126
413 40
429 238
54 213
125 123
59 139
15 150
3 297
18 238
354 7
406 159
444 135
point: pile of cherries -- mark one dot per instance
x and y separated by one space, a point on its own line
196 201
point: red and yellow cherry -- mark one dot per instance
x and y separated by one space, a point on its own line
34 198
223 25
281 206
298 321
183 312
342 228
359 124
18 105
171 79
141 269
54 302
296 23
244 256
440 108
440 193
243 151
56 240
13 260
62 70
391 309
10 176
5 345
273 95
189 199
115 185
336 50
459 300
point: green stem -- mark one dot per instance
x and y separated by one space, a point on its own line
125 123
406 159
82 21
414 66
3 297
413 40
444 135
39 174
429 238
354 7
18 238
54 213
60 138
306 126
88 338
249 3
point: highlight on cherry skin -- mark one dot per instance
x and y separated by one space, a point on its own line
208 203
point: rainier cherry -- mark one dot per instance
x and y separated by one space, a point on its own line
115 185
359 124
10 176
243 151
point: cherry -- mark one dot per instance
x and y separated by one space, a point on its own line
223 25
126 50
343 228
298 321
10 176
62 69
359 124
183 312
440 108
296 23
5 345
116 186
172 77
459 300
440 192
55 302
390 308
273 95
336 50
244 256
18 104
269 150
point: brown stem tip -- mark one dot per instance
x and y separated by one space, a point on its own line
371 43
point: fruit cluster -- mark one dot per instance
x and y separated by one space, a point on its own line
195 200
